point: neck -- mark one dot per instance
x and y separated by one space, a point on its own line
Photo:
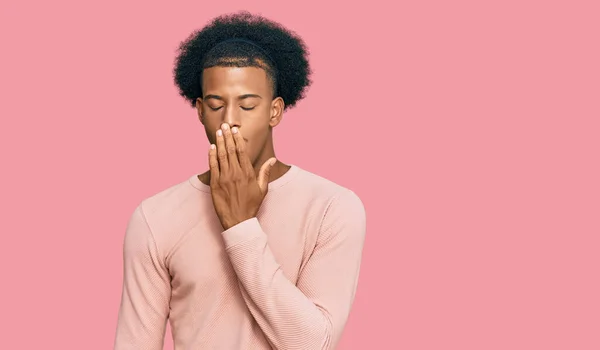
266 153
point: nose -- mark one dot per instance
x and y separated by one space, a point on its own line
232 117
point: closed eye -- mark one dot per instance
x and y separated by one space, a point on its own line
216 109
247 108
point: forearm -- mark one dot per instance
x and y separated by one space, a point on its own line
312 313
289 319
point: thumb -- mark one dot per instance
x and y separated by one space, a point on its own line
263 174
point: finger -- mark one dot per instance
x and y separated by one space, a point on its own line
230 147
263 175
240 145
222 153
213 164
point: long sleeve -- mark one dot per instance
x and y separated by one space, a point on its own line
311 314
144 308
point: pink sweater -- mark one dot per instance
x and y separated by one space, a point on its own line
283 280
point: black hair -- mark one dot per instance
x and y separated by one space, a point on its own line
244 40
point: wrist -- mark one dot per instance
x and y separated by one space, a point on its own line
229 223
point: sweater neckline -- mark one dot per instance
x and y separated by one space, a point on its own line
273 185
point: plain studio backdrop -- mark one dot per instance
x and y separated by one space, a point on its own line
470 129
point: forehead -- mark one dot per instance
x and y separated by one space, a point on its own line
234 78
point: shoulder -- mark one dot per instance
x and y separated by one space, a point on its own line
322 186
166 199
339 201
170 210
341 213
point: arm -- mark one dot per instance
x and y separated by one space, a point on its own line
144 308
313 313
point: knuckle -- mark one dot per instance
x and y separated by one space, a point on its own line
224 179
236 175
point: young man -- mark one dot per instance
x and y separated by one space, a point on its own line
251 254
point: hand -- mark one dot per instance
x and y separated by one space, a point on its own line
236 191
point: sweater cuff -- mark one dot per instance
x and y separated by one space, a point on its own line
242 232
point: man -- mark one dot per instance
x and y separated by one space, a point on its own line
253 253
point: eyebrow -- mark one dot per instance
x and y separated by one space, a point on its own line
241 97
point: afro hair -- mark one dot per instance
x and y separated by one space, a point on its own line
244 40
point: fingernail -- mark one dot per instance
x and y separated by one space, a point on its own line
212 146
219 132
225 126
234 130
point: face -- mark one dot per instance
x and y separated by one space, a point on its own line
242 97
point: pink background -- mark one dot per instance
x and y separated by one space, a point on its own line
470 131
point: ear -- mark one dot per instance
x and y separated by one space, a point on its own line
277 107
199 109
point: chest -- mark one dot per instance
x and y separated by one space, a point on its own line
199 264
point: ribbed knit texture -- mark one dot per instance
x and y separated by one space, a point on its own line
283 280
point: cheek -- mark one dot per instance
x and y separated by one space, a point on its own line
251 148
211 131
255 143
210 135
